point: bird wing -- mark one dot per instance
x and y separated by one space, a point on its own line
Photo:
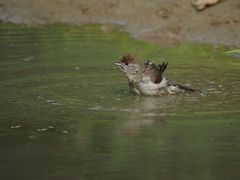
155 72
162 67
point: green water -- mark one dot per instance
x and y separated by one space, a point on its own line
66 113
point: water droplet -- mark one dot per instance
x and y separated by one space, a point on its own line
31 137
57 104
51 127
43 129
28 58
15 127
64 131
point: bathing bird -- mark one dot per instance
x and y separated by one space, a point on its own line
148 78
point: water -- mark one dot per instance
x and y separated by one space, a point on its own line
66 113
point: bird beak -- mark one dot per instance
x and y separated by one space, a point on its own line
120 65
117 64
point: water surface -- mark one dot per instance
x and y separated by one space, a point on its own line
66 113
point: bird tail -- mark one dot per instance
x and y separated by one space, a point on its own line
181 88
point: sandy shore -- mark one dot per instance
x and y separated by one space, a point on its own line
159 21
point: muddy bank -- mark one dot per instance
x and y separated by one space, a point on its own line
160 21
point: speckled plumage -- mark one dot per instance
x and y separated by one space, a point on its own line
147 78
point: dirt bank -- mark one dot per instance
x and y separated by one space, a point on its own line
160 21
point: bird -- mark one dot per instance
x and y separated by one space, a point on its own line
148 78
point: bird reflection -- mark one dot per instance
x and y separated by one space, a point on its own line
147 111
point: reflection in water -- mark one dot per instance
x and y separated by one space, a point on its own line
65 114
146 111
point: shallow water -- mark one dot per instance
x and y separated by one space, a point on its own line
66 113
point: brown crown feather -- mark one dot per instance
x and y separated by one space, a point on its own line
128 59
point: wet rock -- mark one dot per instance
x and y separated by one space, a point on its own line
202 4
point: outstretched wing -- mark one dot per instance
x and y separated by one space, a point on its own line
153 71
162 67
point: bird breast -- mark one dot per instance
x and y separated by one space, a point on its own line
147 87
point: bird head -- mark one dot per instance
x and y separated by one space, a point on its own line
128 65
